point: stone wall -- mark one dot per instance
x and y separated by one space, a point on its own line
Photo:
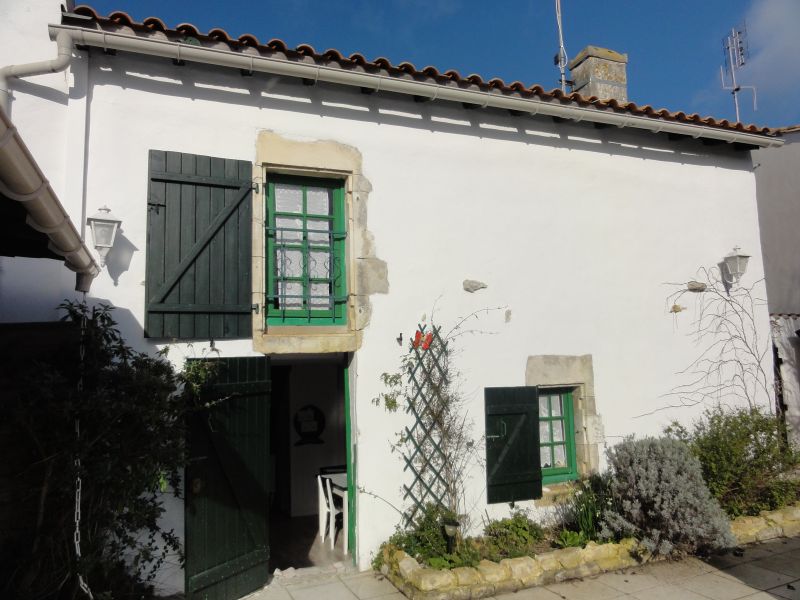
512 574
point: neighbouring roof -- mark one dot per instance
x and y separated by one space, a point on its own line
33 222
276 48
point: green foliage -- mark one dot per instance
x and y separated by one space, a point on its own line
583 510
659 497
570 539
426 541
511 537
744 457
131 442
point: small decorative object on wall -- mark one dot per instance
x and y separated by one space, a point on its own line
309 423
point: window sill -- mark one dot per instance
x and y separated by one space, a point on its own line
555 493
305 339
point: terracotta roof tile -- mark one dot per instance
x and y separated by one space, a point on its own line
119 18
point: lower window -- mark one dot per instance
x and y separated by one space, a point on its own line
556 435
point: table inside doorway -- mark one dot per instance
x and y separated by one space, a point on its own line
339 487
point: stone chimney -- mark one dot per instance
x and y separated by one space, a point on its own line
600 72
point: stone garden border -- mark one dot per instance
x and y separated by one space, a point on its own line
512 574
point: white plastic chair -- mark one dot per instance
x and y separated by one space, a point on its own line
324 507
333 512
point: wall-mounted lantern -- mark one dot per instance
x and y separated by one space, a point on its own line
104 229
734 265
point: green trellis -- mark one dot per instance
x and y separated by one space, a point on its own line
425 458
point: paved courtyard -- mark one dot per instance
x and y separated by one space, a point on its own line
761 572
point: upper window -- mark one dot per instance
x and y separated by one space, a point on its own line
305 226
556 436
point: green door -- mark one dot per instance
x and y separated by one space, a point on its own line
227 550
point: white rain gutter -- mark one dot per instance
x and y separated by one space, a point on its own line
313 72
23 181
64 43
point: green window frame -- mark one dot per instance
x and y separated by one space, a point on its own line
305 249
557 435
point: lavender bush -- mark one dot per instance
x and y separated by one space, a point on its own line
660 498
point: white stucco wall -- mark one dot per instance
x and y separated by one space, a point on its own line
575 230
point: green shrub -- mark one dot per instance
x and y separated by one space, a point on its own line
744 457
514 536
570 539
131 445
425 540
583 510
659 498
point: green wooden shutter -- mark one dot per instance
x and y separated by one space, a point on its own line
198 247
513 471
227 484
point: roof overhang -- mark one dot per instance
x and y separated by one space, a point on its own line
34 223
113 37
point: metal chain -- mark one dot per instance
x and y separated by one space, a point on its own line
77 463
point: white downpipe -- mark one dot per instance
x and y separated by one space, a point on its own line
312 71
22 180
59 63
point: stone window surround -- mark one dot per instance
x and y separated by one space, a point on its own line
567 371
365 273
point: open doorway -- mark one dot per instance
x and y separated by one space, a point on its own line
308 435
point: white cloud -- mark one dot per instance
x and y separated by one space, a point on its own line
773 28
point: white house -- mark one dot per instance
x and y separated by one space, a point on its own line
314 208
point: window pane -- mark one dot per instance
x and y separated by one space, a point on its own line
544 456
543 410
289 262
318 201
560 456
558 431
282 223
320 296
290 294
288 198
319 231
319 264
555 405
544 432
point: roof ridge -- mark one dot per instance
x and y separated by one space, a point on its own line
217 34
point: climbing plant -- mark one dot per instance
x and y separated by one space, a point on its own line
437 446
730 364
127 458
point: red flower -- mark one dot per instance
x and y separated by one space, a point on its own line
417 339
427 343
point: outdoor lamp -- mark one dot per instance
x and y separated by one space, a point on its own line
735 264
104 229
450 530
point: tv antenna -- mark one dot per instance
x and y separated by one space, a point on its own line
560 59
737 53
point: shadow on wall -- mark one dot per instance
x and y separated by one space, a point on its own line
119 258
222 86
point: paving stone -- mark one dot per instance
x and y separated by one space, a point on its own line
671 570
757 576
334 590
712 585
590 589
273 591
536 593
667 592
784 591
782 564
367 585
630 582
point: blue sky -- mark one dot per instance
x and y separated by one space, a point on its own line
674 48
